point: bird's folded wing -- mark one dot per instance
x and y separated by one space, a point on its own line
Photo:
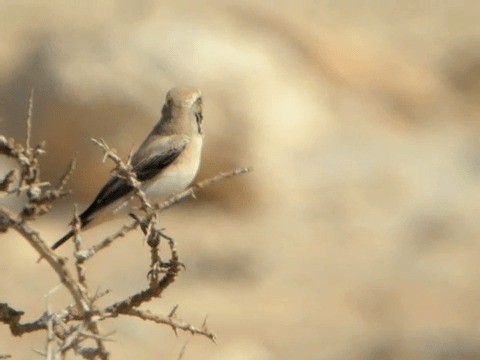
162 151
157 155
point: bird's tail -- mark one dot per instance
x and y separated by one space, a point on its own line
83 221
62 240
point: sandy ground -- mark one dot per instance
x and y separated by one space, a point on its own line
356 237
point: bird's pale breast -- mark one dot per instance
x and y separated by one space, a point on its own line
178 175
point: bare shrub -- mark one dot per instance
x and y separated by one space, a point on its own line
69 329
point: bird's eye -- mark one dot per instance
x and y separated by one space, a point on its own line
199 118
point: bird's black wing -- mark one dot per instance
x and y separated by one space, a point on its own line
153 165
114 189
118 187
146 169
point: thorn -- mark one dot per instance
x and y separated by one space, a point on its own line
174 310
130 155
39 352
182 352
52 290
204 325
174 330
29 120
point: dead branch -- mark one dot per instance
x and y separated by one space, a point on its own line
190 192
67 329
172 321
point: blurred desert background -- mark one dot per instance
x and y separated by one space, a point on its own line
357 234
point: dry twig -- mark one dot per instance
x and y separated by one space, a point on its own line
70 327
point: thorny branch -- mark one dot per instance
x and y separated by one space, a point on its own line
173 322
68 329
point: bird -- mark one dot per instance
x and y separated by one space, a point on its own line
165 163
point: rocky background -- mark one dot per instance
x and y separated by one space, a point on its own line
357 235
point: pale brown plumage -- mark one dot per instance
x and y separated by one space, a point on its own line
165 163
